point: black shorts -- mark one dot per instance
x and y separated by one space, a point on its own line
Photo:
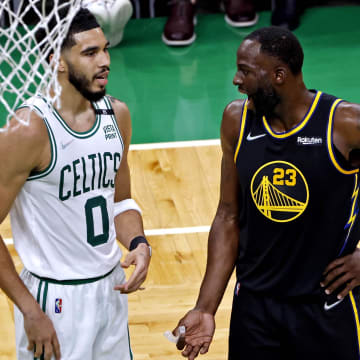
272 329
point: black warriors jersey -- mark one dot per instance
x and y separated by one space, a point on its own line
299 202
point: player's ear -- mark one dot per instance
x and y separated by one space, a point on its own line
51 58
62 64
280 75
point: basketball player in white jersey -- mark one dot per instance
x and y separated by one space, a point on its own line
66 180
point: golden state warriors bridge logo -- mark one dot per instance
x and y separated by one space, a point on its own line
280 191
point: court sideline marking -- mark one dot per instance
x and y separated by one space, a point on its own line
158 232
175 144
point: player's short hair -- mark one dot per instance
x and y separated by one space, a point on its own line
282 44
84 20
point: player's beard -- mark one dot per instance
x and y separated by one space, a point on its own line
82 84
265 100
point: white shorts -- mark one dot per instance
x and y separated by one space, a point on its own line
90 319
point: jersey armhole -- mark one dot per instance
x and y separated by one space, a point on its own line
38 174
329 142
242 128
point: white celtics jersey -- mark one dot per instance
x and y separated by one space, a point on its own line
63 218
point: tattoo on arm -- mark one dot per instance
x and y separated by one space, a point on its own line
112 99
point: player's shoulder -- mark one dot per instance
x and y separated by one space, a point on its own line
27 125
347 115
234 108
119 107
25 137
347 123
347 110
231 120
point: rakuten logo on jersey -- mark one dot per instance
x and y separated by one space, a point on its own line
309 140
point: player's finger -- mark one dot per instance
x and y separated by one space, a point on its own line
56 347
351 285
332 275
339 282
187 350
334 264
194 353
31 345
205 348
128 287
136 278
180 344
121 287
48 351
38 349
127 261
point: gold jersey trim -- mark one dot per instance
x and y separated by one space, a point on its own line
297 127
353 214
242 128
330 144
356 314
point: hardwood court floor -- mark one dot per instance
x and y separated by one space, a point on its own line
175 188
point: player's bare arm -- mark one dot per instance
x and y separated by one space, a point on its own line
23 149
346 133
224 232
222 244
346 136
128 224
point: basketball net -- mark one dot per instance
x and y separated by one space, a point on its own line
24 69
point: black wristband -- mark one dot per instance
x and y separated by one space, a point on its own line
136 241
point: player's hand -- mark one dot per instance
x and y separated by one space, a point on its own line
140 257
199 331
41 335
346 270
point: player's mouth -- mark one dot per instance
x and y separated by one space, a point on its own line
241 90
102 78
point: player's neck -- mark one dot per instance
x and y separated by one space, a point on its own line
72 101
292 108
75 110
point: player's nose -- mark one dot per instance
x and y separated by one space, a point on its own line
237 80
104 60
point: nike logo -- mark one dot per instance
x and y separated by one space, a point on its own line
65 145
251 138
328 307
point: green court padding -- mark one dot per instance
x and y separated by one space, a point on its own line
180 93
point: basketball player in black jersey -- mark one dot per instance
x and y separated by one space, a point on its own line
287 216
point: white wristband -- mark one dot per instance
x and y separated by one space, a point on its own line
125 205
